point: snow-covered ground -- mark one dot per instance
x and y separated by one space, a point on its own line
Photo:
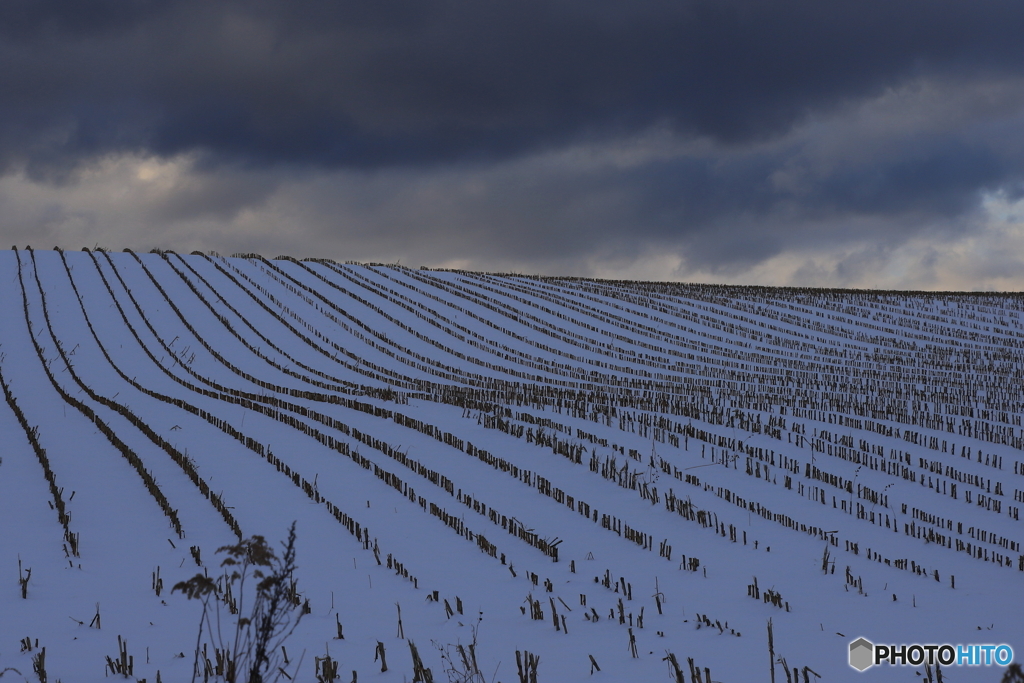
631 457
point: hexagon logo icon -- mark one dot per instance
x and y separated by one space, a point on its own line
862 653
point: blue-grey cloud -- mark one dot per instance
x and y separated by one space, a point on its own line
345 83
469 130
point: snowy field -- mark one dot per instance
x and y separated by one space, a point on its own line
604 474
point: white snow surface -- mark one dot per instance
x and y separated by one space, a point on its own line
753 429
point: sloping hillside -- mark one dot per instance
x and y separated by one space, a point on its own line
599 474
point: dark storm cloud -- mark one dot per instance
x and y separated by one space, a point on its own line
369 84
733 208
856 178
462 130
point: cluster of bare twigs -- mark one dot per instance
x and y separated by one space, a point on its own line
253 651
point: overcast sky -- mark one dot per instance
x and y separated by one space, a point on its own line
875 143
